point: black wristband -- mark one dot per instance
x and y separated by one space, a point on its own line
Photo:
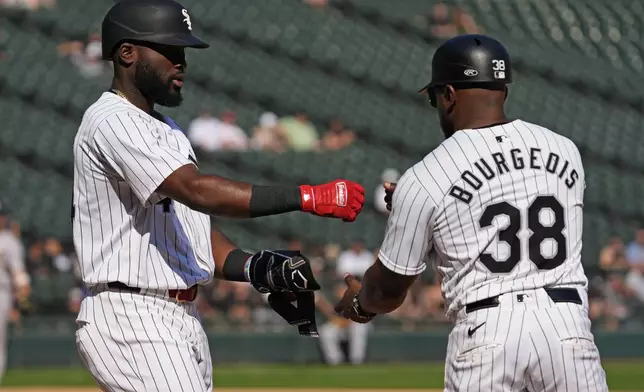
235 264
273 200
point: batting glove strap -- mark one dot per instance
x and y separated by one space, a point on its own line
281 270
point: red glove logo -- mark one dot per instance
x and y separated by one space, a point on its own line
341 194
337 199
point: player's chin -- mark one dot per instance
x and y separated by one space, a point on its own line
172 99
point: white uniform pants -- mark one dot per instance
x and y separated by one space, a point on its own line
355 333
136 343
526 343
6 302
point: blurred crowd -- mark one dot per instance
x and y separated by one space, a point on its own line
28 4
617 291
616 287
210 134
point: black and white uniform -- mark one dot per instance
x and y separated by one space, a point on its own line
125 232
498 213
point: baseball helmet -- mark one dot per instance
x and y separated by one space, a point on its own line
163 22
469 60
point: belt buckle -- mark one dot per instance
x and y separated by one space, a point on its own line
180 291
176 297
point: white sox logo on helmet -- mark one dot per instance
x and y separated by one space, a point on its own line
186 18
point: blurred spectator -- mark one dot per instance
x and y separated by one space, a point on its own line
611 257
337 136
300 133
28 4
446 22
202 132
616 300
317 3
231 136
210 134
354 261
635 250
441 23
388 175
36 263
86 56
635 259
466 22
267 136
58 260
240 304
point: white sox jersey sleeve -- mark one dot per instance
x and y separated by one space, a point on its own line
493 210
123 229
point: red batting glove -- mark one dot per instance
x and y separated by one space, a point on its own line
337 199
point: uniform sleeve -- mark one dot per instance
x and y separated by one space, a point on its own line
408 237
139 153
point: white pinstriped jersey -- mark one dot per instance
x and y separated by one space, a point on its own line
123 229
493 210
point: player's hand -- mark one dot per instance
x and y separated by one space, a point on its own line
22 294
341 199
390 187
347 306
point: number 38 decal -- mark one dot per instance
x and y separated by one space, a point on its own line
498 65
539 231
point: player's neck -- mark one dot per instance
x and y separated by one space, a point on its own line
476 120
133 95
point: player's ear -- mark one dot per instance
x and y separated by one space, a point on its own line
449 94
126 54
506 93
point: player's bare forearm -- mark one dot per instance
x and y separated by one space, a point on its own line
221 248
383 291
219 196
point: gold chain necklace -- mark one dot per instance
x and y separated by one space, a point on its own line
120 94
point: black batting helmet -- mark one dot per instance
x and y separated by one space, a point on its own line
470 61
163 22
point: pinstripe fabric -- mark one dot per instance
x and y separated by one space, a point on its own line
440 217
142 343
429 224
121 230
527 349
124 231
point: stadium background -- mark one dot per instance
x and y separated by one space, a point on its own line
321 89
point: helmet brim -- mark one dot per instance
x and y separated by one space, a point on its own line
182 40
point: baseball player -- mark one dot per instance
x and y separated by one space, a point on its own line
14 280
497 210
141 217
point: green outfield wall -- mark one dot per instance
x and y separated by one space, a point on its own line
35 351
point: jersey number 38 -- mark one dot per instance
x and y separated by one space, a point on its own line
540 233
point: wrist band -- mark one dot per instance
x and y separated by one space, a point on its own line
235 266
273 200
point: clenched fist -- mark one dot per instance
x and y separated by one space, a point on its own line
341 199
390 187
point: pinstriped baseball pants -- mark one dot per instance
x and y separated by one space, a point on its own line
135 343
527 343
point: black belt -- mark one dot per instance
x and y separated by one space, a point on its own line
181 295
556 295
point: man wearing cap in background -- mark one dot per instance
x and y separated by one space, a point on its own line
14 281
